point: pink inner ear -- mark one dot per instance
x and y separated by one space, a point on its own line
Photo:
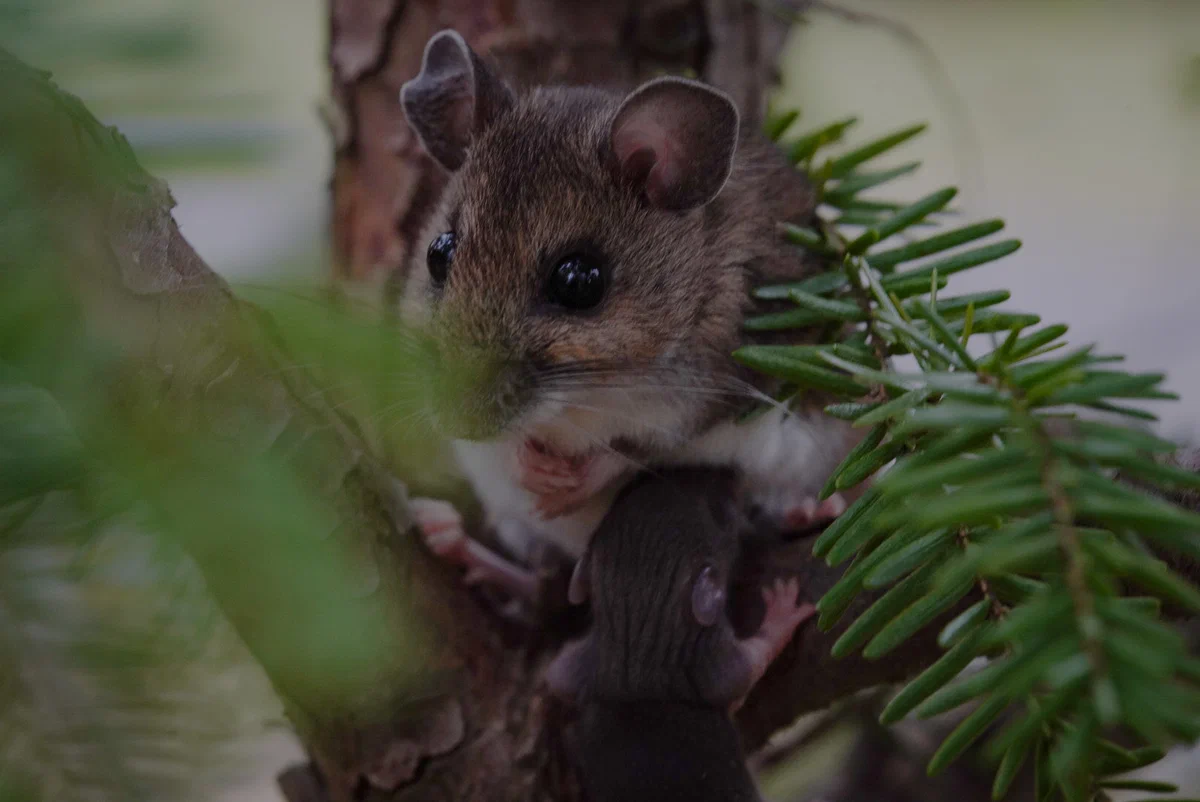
708 596
666 174
648 157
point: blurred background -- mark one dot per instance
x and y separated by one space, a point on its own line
1076 121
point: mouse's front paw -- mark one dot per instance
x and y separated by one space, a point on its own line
563 484
544 472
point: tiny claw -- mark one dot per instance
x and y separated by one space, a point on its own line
444 543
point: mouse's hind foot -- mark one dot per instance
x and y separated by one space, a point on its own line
441 526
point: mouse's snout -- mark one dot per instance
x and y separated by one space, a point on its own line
474 393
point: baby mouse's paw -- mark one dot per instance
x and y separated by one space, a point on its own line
783 615
778 626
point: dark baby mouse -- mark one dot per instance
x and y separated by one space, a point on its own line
661 669
585 277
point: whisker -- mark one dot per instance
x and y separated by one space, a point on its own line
615 415
728 396
599 374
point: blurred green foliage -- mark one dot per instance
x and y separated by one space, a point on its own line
144 437
1000 488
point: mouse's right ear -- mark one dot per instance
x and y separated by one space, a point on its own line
453 99
674 139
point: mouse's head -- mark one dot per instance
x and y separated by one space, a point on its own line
570 275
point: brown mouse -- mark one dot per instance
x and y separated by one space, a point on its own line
586 275
661 668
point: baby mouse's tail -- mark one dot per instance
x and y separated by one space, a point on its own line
662 751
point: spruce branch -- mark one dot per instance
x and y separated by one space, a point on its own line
994 487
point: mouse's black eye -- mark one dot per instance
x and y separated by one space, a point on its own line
577 282
440 255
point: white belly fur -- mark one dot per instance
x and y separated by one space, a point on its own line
492 472
784 457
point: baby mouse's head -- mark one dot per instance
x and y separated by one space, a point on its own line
574 275
657 574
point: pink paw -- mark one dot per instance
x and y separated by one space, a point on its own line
442 528
545 471
783 615
779 624
563 484
811 512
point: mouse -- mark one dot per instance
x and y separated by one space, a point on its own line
661 669
585 276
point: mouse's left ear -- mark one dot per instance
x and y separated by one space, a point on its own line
708 596
674 139
453 99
